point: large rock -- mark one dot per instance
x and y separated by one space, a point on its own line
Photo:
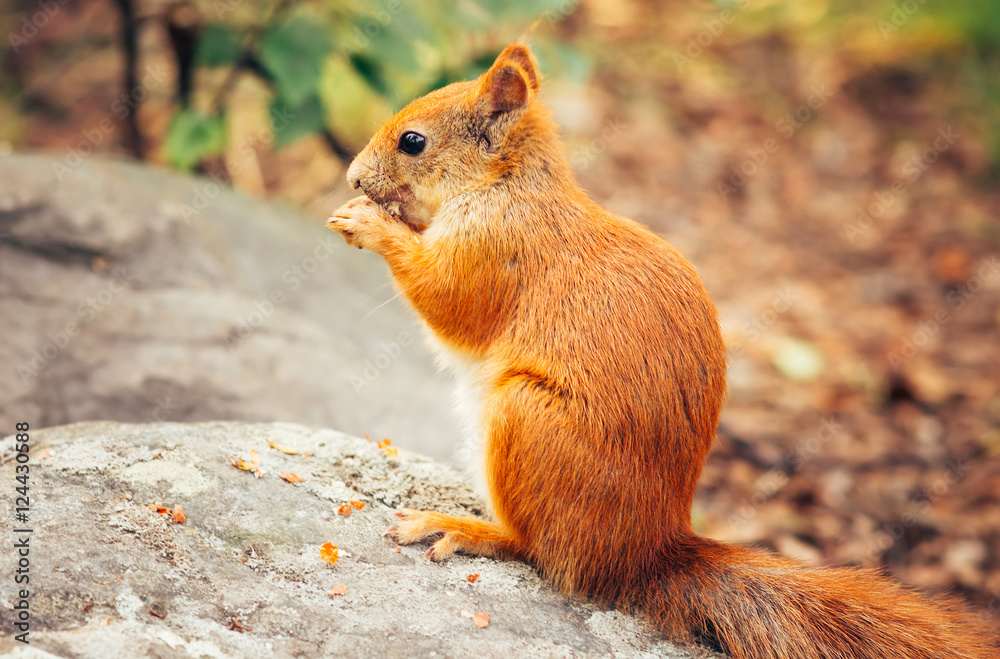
242 576
135 295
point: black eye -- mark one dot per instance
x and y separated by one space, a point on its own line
412 143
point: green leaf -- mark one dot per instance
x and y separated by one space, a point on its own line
291 123
371 71
394 49
194 136
293 54
218 45
519 9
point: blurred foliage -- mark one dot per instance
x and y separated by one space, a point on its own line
952 45
193 136
957 42
978 22
294 69
333 66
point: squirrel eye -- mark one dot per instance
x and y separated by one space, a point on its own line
412 143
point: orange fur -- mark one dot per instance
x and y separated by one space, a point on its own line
595 367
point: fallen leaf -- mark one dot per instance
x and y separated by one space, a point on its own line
472 578
329 553
390 451
291 478
163 510
279 447
253 465
344 510
179 517
239 463
338 590
358 504
951 265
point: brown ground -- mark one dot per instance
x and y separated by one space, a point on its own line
863 423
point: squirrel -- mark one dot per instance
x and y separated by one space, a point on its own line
591 369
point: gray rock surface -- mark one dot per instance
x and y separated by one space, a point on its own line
134 295
110 578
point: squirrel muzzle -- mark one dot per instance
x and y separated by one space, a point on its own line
397 200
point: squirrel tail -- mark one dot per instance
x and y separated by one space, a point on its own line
754 605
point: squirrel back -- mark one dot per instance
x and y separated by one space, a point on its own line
592 367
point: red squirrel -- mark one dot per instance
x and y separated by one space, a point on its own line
591 369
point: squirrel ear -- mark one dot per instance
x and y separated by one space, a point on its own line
504 87
521 55
505 91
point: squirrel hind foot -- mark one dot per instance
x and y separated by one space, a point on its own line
467 535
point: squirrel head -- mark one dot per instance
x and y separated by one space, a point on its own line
459 137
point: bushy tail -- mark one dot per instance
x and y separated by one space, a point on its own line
754 605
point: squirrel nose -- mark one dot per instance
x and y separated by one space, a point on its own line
354 173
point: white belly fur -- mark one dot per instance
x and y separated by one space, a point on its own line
469 405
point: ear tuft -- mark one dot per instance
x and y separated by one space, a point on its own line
521 55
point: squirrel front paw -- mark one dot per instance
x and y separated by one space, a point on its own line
355 219
363 223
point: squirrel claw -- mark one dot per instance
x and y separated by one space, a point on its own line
364 224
